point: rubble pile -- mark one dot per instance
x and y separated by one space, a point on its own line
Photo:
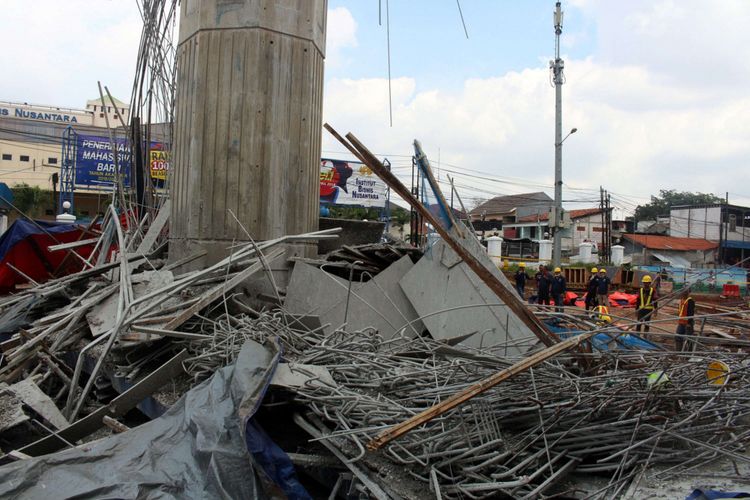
373 371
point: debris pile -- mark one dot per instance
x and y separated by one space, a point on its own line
376 370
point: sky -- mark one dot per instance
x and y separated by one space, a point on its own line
658 89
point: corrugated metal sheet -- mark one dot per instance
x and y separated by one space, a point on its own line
672 259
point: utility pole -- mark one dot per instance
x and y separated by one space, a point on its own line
558 78
604 205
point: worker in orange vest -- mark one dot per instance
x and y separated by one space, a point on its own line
645 304
686 322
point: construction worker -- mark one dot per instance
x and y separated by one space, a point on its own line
558 289
590 298
521 278
602 287
686 321
602 316
645 304
543 285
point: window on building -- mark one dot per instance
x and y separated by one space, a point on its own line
101 115
52 161
24 158
7 156
117 116
94 107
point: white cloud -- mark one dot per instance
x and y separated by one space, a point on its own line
53 52
649 116
341 33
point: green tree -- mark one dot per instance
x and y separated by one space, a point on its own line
668 198
30 199
354 213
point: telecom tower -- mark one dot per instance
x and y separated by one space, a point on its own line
558 78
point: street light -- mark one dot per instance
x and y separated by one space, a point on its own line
572 131
557 220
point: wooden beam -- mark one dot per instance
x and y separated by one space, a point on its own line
504 294
116 408
460 398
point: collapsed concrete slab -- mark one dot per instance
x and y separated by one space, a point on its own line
454 301
379 303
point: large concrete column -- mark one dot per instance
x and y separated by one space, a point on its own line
247 122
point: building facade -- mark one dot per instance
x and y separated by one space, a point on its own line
727 225
31 144
654 249
586 225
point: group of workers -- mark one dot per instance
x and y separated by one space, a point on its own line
646 306
553 287
550 287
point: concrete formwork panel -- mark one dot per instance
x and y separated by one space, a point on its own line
442 283
247 122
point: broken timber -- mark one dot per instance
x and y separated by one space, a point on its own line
508 297
118 407
398 430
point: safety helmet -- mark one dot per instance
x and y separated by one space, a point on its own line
646 279
522 264
602 270
594 270
558 270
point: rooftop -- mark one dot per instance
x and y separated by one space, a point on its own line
658 242
509 203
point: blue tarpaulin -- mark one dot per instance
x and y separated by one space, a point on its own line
195 450
602 341
21 229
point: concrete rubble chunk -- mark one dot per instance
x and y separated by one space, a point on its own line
31 395
379 303
441 282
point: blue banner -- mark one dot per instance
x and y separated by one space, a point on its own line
95 161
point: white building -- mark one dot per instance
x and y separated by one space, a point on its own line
728 225
31 138
585 225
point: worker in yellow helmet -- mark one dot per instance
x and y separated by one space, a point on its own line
602 287
558 289
686 322
591 290
521 278
645 304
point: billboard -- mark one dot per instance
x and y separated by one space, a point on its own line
95 161
158 161
350 183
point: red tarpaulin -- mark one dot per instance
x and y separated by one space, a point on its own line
24 246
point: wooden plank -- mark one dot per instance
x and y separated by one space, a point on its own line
248 175
234 138
117 407
155 229
506 296
218 171
205 162
461 397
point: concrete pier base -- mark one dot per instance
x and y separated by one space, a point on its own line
248 126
